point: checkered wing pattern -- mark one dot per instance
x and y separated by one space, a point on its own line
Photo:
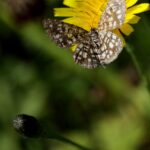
95 48
98 49
63 34
113 16
102 46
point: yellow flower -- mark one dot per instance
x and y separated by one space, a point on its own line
87 13
82 13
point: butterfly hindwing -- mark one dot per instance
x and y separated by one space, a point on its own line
111 46
98 49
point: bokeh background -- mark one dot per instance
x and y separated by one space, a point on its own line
103 109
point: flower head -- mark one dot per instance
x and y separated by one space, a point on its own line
87 14
82 13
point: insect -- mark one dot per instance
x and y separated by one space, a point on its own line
96 48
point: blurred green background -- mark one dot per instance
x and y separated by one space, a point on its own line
103 109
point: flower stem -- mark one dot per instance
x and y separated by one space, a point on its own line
138 67
68 141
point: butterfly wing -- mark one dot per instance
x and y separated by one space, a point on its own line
113 16
63 34
98 49
111 46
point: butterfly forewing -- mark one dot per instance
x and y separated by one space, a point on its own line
63 34
113 16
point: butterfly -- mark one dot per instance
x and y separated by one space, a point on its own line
96 48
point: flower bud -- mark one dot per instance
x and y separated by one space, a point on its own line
27 126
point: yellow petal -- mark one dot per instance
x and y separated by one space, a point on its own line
70 3
64 12
132 19
130 3
138 8
73 47
82 13
126 29
78 22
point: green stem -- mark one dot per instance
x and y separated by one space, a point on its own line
134 59
138 67
65 140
